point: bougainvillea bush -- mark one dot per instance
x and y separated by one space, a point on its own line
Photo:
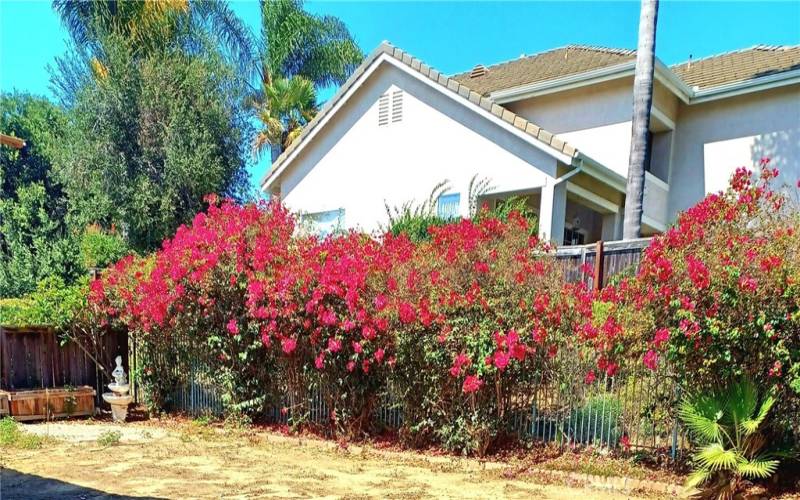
720 293
462 327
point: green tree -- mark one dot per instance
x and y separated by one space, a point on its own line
298 53
148 141
35 242
149 27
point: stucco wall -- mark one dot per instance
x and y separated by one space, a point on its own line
595 119
356 165
713 138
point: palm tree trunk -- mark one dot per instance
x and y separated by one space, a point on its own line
642 101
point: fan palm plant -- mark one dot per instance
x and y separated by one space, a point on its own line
728 426
283 107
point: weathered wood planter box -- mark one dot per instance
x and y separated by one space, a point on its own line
3 405
39 404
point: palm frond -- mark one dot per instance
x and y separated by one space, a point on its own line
702 414
741 400
760 467
751 425
234 35
478 186
715 457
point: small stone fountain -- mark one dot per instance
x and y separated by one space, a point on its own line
118 398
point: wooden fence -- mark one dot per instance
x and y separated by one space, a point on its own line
33 358
616 258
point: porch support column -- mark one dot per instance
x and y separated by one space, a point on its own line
612 227
553 212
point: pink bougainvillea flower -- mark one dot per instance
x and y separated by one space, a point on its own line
661 337
351 365
406 313
233 328
334 345
357 348
381 302
379 354
501 360
471 384
288 345
319 361
650 360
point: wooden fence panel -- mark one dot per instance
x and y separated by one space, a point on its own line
33 358
617 257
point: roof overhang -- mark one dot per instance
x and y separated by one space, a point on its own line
663 74
484 107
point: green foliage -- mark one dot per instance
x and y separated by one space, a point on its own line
109 438
728 426
414 219
52 303
11 436
35 241
298 53
101 248
598 421
150 139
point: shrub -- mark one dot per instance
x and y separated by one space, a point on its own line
461 327
52 303
717 296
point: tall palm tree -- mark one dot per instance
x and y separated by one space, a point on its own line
642 102
299 52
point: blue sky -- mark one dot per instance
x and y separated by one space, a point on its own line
454 36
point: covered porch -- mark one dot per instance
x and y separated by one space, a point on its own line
579 209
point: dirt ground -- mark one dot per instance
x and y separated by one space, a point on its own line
192 461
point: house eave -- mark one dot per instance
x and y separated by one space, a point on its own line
768 82
662 74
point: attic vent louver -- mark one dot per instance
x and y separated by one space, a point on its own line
478 71
397 106
383 110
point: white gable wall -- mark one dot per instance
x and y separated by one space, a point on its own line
354 164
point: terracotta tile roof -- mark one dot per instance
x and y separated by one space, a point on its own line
739 66
451 84
556 63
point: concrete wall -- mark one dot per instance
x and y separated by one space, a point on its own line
356 165
712 139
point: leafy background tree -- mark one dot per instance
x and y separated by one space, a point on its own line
35 241
147 141
154 108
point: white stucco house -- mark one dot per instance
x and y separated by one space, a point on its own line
553 127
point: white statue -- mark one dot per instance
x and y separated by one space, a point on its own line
119 373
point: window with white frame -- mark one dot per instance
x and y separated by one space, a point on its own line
327 222
448 205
